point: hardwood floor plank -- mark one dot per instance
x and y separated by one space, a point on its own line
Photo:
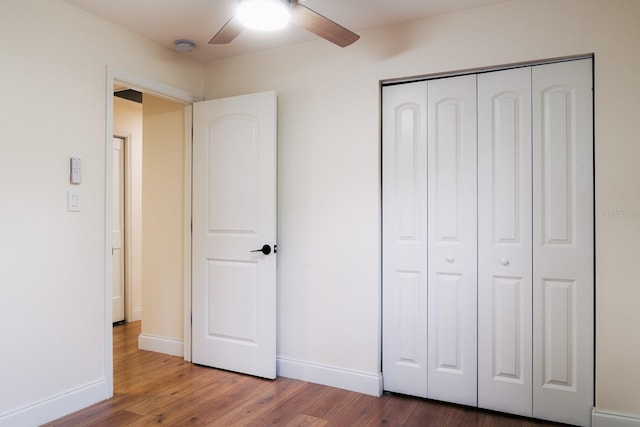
333 402
158 398
106 413
492 421
463 416
395 412
242 387
528 422
152 371
306 421
428 414
256 405
359 412
285 411
118 418
198 411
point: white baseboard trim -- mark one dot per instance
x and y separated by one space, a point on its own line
161 345
46 410
608 419
136 314
360 382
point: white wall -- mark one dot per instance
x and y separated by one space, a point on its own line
329 160
52 269
163 225
53 106
127 122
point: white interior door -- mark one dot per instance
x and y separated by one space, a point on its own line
404 209
234 214
117 231
563 241
452 240
504 241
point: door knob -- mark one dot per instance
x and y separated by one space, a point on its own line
266 249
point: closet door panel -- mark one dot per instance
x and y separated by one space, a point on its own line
404 212
504 241
452 333
563 242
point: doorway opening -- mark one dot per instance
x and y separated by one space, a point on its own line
148 216
155 226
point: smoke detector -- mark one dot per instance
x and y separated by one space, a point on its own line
184 45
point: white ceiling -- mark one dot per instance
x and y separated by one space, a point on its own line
168 20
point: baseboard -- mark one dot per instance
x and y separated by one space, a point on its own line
161 345
608 419
46 410
360 382
136 314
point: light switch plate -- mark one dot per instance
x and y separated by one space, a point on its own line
75 167
73 200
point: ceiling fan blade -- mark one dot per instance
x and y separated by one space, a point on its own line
321 26
228 32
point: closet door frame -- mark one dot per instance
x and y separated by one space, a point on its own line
550 291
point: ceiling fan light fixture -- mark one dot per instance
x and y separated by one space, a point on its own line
263 15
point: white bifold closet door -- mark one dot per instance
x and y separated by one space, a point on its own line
504 241
430 331
488 262
405 238
563 242
452 240
535 242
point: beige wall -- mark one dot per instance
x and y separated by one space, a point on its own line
329 157
53 86
163 219
157 255
127 122
52 270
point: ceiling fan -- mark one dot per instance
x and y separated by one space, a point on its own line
300 15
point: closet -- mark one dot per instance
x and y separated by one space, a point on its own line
488 240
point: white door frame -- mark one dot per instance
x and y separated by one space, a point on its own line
127 260
144 85
128 220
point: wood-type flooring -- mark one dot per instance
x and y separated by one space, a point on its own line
157 389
